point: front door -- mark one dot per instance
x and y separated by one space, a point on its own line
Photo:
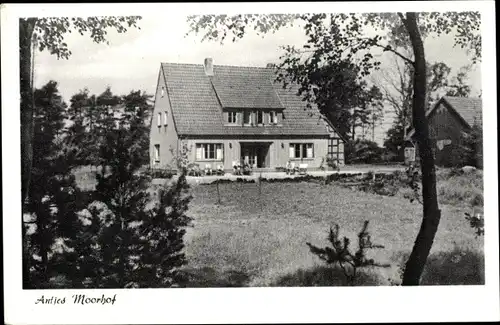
254 155
249 155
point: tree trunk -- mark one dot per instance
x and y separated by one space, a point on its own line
431 213
26 27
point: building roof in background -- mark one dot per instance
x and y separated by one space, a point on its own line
468 109
197 100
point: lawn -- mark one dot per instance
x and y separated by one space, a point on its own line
254 239
260 239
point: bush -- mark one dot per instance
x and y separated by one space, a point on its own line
323 276
457 267
458 188
160 173
332 163
363 152
460 266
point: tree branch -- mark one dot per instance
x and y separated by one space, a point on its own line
390 49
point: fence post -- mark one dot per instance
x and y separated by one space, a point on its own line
218 192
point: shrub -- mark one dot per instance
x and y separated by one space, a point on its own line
476 221
160 173
459 266
362 151
471 149
456 267
332 163
460 188
339 253
322 276
127 239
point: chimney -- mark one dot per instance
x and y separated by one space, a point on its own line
270 65
209 66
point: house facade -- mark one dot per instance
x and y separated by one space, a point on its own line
226 115
448 119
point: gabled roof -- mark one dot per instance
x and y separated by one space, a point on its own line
243 87
468 110
197 100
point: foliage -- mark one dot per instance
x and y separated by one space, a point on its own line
53 198
476 221
180 158
325 276
143 243
93 117
362 151
395 141
119 235
413 182
471 147
339 252
459 88
459 265
49 32
332 163
160 173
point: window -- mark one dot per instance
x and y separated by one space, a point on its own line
209 151
165 118
162 91
157 153
231 117
246 117
273 117
301 150
333 148
260 117
159 120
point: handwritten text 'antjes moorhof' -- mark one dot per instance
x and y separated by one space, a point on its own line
77 299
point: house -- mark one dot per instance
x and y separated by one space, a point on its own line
233 114
448 119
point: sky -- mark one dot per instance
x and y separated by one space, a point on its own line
132 60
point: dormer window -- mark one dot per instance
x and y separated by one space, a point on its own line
273 117
247 118
260 117
231 117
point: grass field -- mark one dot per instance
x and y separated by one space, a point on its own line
258 237
259 240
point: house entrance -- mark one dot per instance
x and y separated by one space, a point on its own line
255 154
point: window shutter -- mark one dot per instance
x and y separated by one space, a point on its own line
292 151
219 152
309 150
199 153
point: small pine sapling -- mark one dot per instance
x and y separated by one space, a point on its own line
339 252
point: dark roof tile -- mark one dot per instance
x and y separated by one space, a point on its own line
197 102
470 109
